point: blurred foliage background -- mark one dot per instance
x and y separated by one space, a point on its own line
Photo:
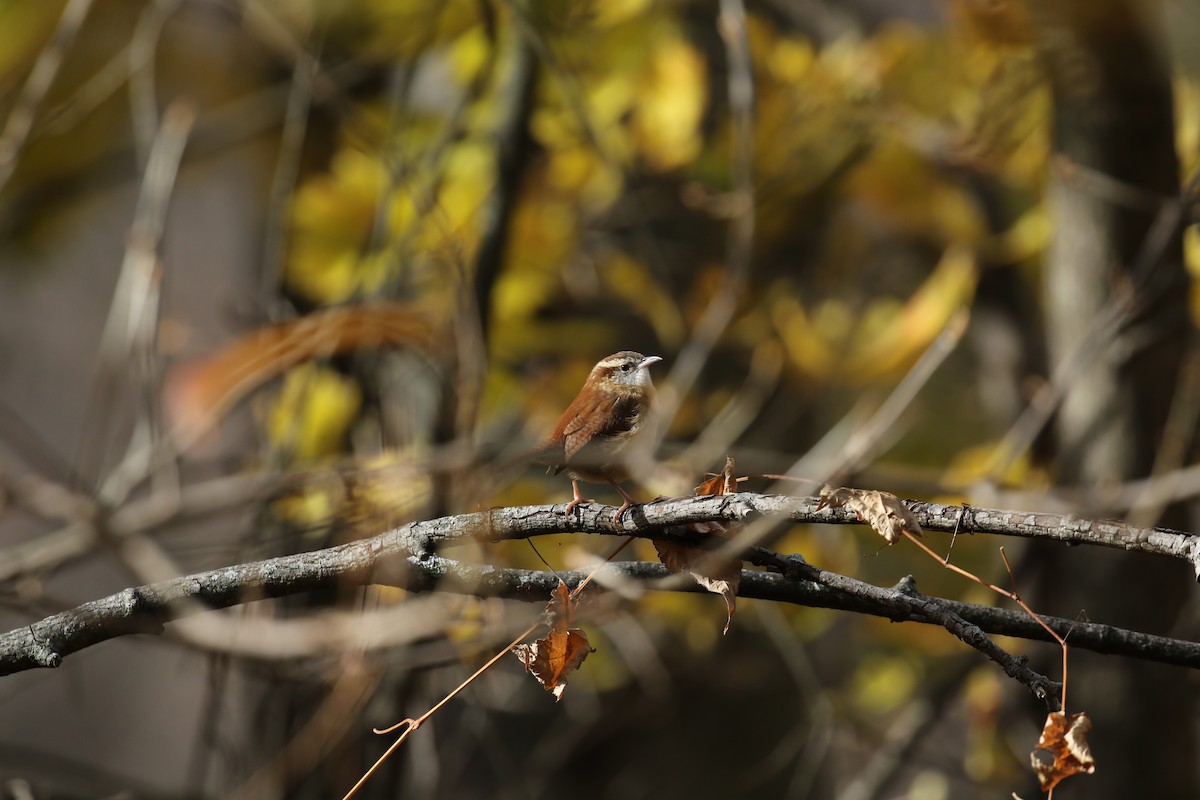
366 250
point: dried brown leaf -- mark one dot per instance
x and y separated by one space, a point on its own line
883 511
561 608
552 658
718 577
1062 750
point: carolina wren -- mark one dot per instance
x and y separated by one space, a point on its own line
593 438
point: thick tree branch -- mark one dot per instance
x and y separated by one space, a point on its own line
405 557
745 506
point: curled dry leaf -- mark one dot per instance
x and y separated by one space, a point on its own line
552 658
1062 750
881 510
718 577
198 393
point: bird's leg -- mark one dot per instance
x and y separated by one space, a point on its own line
628 504
579 500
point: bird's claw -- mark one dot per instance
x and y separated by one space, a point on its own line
621 511
578 501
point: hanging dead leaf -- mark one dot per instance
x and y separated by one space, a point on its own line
718 577
552 658
1062 750
560 611
884 512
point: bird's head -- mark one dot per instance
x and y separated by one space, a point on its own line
624 372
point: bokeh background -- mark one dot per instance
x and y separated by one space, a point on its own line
275 274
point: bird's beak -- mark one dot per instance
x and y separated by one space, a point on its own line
648 360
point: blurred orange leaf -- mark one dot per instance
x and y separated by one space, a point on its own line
200 392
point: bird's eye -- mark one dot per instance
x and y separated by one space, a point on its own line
626 367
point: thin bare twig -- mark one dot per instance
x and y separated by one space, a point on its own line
283 180
867 438
739 247
411 725
41 77
131 329
337 711
143 77
1011 595
1107 326
864 441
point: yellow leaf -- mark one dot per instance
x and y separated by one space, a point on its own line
630 281
410 28
912 195
804 340
882 683
670 103
313 411
27 27
973 464
606 13
469 53
914 326
790 59
1028 236
331 216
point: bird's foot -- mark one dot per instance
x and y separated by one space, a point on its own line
628 504
578 501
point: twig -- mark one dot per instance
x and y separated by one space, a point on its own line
1174 443
906 600
523 521
1112 320
739 247
130 330
143 514
411 725
45 69
337 711
1062 641
143 89
945 561
741 411
283 179
866 439
862 443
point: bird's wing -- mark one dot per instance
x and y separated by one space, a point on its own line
596 415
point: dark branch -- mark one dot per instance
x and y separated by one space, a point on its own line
405 557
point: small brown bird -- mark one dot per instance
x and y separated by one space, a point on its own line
593 437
